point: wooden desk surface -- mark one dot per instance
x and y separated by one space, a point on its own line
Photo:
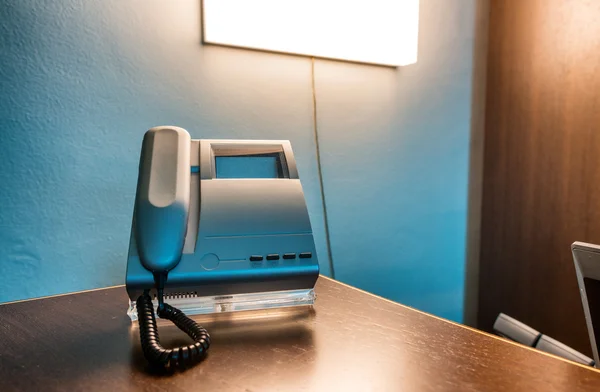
351 341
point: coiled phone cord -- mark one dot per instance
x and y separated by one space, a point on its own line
154 352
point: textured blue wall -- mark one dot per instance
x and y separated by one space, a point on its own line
81 81
395 154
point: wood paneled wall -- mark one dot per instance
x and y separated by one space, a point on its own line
541 188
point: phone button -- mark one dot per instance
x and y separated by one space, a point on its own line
305 255
289 256
209 261
256 258
273 257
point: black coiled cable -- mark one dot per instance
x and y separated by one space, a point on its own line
169 358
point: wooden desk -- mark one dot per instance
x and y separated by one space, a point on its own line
352 341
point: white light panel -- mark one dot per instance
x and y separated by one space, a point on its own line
368 31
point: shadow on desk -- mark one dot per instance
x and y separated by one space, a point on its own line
238 332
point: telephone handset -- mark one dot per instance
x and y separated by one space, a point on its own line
163 197
161 218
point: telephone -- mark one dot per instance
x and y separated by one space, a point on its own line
215 220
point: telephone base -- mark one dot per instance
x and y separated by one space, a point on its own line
233 303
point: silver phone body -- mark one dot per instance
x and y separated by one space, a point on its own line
232 221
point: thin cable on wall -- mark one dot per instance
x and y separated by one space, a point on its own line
319 170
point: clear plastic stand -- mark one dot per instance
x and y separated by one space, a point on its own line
191 305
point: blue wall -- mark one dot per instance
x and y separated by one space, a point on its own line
395 160
81 81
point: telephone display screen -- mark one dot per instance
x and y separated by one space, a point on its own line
249 166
